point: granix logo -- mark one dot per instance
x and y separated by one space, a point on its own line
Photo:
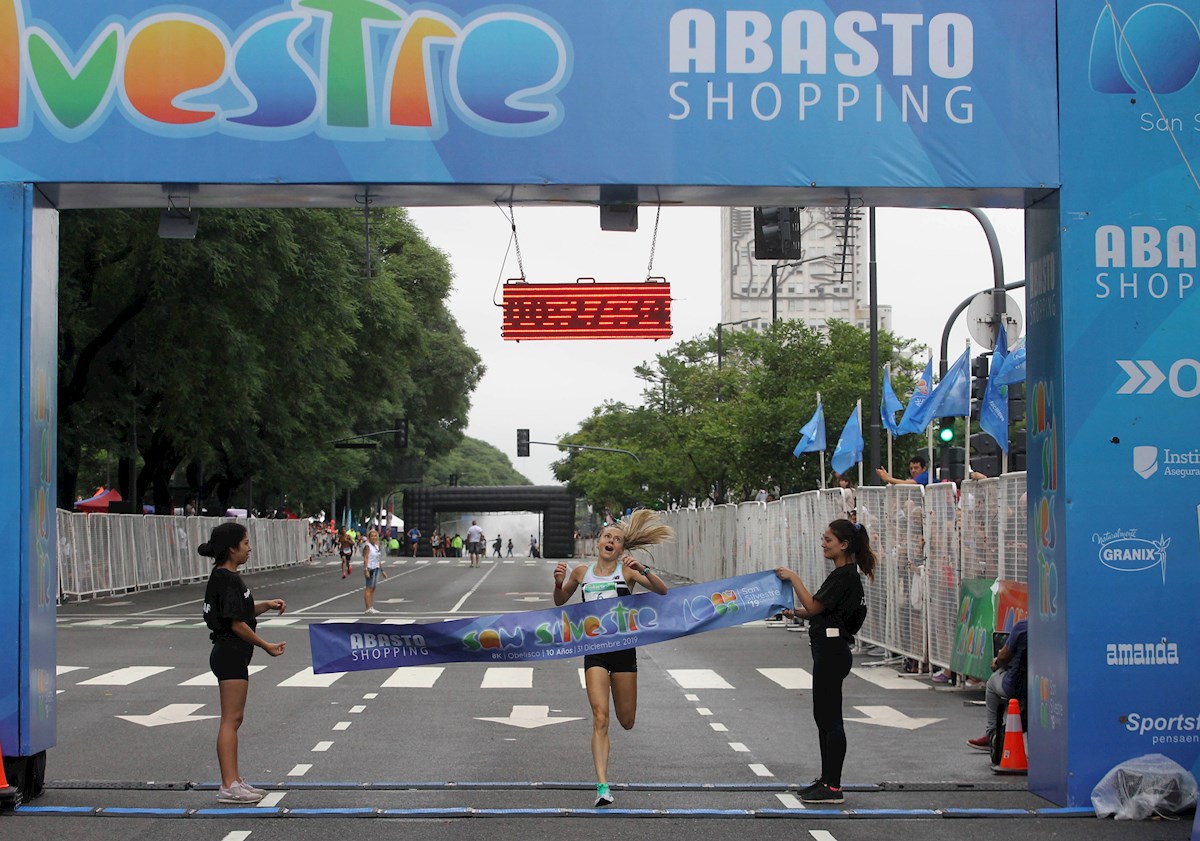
1123 551
1156 49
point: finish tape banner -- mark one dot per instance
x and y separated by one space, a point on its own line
568 631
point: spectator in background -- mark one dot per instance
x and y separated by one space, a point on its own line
497 544
456 545
849 497
1009 680
476 545
918 471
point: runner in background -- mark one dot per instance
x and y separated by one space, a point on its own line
614 573
345 550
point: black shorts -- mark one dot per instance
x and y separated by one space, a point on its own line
624 660
230 659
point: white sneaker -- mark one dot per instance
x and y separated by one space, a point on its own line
237 793
259 791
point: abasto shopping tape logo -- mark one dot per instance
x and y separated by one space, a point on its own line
309 66
1155 49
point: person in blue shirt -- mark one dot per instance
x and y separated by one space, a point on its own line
918 471
1009 680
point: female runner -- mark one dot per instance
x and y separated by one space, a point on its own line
614 573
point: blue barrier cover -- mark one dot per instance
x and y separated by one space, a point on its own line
568 631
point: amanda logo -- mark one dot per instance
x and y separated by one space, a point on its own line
1157 48
344 69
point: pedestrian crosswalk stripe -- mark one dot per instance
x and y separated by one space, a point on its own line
414 677
321 747
125 676
160 623
299 770
760 770
788 678
97 622
887 679
306 677
790 801
282 620
698 679
507 677
209 679
62 670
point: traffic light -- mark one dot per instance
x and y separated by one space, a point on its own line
777 233
1016 452
522 442
1016 402
985 454
952 466
946 430
979 380
401 434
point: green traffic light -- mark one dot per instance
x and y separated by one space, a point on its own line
946 434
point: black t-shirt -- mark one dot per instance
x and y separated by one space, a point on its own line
844 603
226 599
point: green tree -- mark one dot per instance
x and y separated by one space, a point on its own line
474 462
232 360
724 433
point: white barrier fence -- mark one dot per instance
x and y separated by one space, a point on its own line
99 554
926 539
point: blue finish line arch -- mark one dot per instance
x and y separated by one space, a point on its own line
1079 112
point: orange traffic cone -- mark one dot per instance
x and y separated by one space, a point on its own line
10 796
1013 761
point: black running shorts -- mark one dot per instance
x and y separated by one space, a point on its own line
624 660
230 659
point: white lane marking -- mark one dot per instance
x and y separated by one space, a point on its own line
321 747
96 622
411 677
125 676
161 623
704 710
237 835
739 747
342 725
422 562
168 607
441 562
887 679
760 770
271 800
279 620
788 678
691 697
720 728
62 670
507 677
306 677
370 696
355 592
471 592
209 679
790 801
698 679
299 770
357 708
822 835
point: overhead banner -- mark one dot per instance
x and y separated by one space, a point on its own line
572 630
928 93
586 311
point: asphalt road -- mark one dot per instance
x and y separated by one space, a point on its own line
724 733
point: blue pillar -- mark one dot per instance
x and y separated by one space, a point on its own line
28 427
1114 395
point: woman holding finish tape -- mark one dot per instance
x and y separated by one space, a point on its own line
614 573
835 613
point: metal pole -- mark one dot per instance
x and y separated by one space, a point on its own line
774 295
873 314
718 346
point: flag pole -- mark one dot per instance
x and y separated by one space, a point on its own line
822 451
888 366
858 409
967 431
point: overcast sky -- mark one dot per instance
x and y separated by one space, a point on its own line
929 260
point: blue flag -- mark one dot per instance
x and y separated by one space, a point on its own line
993 413
1013 369
951 397
812 434
568 631
889 405
908 423
849 448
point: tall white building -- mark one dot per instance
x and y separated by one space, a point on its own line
830 283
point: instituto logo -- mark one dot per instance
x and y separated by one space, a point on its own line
1122 550
1161 653
1148 460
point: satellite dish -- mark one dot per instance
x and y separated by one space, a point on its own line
980 319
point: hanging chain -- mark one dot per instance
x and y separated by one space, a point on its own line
653 244
512 217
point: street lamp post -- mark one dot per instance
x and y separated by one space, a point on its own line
720 346
775 267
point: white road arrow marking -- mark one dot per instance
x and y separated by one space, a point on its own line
170 714
529 717
891 717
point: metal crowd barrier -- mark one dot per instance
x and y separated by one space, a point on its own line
100 554
926 539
